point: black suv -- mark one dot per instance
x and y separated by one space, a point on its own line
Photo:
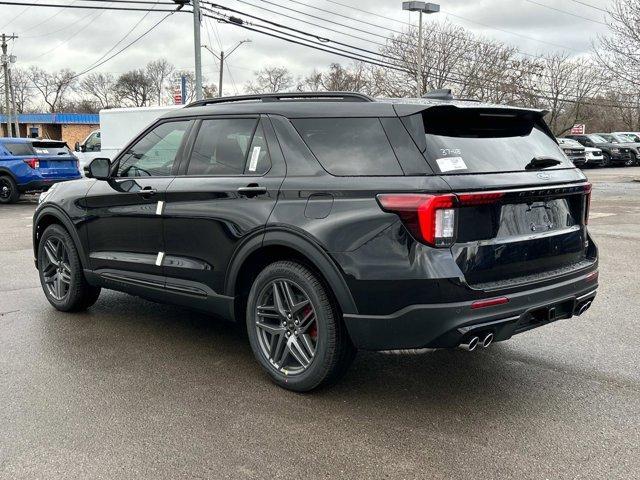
612 153
331 222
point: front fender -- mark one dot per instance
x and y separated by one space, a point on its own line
44 214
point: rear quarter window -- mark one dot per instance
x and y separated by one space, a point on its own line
349 146
19 149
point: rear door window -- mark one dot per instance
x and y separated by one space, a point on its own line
19 149
349 146
459 141
229 147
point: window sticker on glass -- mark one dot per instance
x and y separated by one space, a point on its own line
253 163
451 163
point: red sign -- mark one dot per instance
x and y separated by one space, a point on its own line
177 96
578 129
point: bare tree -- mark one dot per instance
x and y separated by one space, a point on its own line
271 80
159 72
135 87
21 89
618 51
353 78
100 87
565 88
52 86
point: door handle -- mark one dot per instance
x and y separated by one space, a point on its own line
252 190
147 191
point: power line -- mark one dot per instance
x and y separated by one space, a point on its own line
590 6
455 80
520 71
17 15
59 29
86 7
139 37
47 19
447 13
564 11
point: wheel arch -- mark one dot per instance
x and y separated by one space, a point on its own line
5 171
50 215
279 245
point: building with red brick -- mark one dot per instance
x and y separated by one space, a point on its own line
69 127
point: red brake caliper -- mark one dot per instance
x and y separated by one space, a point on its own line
313 330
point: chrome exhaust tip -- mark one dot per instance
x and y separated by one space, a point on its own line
487 340
470 345
584 307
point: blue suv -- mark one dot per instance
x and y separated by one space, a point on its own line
32 165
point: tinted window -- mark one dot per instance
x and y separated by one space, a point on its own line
222 146
460 141
349 146
155 153
47 149
19 149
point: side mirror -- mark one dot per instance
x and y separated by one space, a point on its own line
76 147
98 168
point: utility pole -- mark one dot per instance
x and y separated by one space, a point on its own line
221 74
196 44
221 57
14 111
420 7
7 89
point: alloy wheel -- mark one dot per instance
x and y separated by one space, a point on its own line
56 269
5 188
286 326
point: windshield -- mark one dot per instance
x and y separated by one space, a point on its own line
459 141
596 139
567 142
622 138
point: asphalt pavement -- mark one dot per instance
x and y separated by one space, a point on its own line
133 389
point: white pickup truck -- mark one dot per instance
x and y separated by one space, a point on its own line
117 127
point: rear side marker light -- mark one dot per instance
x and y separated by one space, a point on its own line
592 277
490 302
33 163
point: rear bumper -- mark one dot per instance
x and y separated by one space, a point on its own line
447 325
42 185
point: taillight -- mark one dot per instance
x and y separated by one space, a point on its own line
32 162
430 218
587 202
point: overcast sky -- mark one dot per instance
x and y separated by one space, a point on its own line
55 38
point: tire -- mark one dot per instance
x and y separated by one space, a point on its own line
61 274
9 192
279 343
630 163
606 160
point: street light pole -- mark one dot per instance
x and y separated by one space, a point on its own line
222 58
420 7
197 42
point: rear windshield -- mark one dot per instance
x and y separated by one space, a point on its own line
457 141
50 148
19 149
349 146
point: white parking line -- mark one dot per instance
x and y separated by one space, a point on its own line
593 215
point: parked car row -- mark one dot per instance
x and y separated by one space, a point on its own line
602 149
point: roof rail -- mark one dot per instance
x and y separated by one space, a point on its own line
292 96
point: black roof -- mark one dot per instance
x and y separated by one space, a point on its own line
324 104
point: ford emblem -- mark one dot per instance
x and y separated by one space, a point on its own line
544 176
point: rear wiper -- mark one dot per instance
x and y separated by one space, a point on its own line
538 163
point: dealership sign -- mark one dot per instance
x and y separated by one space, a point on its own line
578 129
